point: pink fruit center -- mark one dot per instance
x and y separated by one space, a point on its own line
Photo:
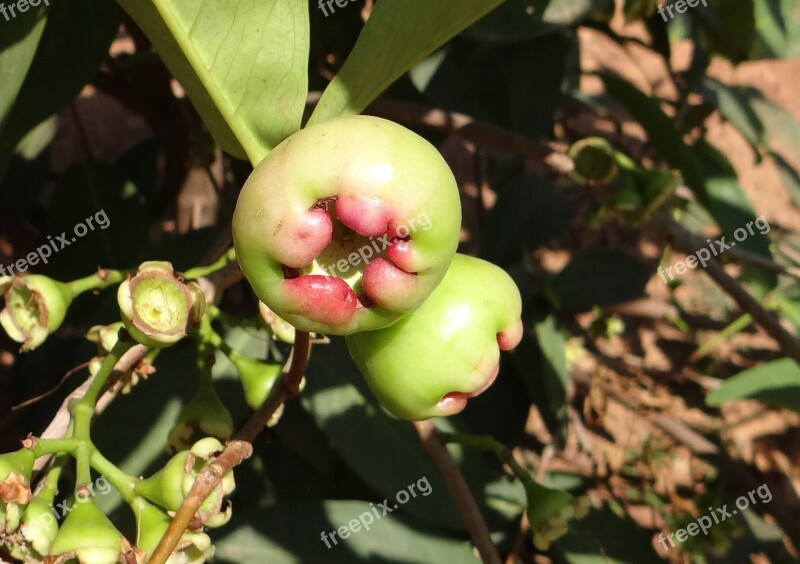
366 260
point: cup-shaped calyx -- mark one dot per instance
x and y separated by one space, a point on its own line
15 476
347 225
168 487
204 415
151 524
88 537
35 306
157 307
432 361
38 528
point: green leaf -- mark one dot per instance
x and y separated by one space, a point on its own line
735 108
729 27
70 40
776 383
540 362
291 532
397 36
777 29
601 278
243 64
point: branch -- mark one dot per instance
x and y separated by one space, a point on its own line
237 450
682 239
465 502
742 254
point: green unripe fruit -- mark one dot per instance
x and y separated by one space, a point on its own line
432 361
347 225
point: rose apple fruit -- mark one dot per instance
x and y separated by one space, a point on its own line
432 361
347 225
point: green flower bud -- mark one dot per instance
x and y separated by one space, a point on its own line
35 307
88 536
10 516
204 415
15 477
152 523
279 327
168 487
106 337
157 308
165 487
18 462
38 529
257 377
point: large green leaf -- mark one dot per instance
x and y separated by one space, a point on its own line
397 36
243 64
776 383
70 40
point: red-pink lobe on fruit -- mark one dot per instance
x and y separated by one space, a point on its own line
510 338
452 403
302 239
366 215
328 298
401 253
389 286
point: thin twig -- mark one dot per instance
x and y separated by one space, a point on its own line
698 242
237 450
465 502
790 346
